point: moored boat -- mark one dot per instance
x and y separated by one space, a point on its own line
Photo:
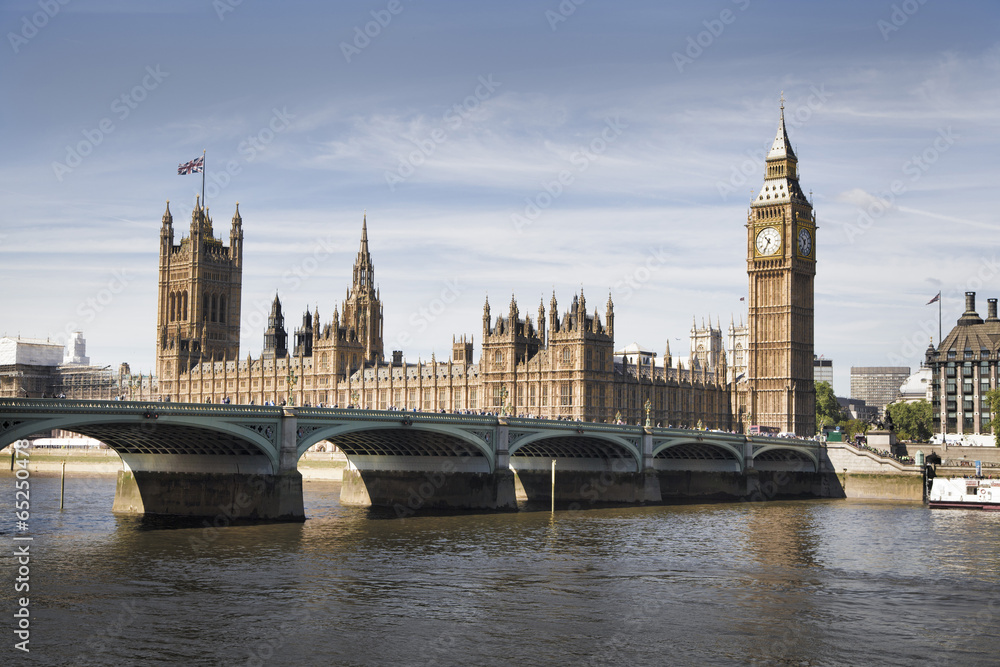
971 493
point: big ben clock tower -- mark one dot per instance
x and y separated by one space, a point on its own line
781 265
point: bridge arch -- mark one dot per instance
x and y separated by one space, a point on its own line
138 433
396 439
570 444
787 454
688 448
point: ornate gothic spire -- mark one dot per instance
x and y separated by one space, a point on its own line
364 270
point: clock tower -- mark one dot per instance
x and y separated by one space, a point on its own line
781 265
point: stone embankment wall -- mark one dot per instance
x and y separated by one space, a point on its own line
854 473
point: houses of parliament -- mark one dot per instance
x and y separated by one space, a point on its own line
550 363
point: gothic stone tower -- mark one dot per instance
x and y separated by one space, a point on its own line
362 310
781 264
198 306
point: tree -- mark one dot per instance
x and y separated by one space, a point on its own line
852 426
827 408
912 420
994 398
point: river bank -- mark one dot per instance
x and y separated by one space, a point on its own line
326 466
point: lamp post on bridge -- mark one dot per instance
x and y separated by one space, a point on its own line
292 381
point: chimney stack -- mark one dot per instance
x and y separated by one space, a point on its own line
991 310
970 316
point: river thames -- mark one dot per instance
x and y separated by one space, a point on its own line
823 582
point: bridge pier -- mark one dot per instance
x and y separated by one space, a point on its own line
232 497
611 483
408 492
223 488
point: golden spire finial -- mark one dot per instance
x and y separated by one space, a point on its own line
782 100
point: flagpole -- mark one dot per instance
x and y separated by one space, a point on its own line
939 320
204 207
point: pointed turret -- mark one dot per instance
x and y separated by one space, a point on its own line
236 236
201 224
553 314
609 316
275 338
486 316
166 234
541 321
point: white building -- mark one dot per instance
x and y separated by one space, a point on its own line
29 351
917 387
76 350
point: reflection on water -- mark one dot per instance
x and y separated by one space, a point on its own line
826 582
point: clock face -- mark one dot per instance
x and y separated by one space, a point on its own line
805 242
768 241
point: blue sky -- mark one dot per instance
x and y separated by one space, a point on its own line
452 122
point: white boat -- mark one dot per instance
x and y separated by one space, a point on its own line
964 493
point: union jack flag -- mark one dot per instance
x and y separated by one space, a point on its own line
195 166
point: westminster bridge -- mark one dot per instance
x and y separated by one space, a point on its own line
241 460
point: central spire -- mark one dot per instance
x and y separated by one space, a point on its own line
782 147
364 270
781 177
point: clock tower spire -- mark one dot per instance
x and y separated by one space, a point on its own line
781 266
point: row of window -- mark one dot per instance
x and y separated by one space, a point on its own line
968 353
590 356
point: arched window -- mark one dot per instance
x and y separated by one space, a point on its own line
173 304
566 355
205 306
222 309
184 314
322 361
215 308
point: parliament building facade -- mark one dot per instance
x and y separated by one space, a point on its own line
553 365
